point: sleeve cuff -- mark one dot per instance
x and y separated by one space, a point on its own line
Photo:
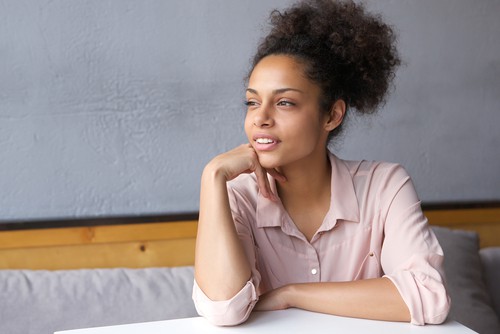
425 297
226 312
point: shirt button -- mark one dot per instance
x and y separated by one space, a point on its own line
314 271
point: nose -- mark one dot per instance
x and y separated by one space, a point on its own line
263 116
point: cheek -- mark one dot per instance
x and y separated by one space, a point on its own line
309 130
304 126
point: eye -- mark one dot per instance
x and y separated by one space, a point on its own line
250 103
286 103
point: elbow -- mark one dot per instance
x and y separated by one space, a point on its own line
436 305
434 309
430 312
230 312
426 298
441 312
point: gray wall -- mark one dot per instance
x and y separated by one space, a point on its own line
113 107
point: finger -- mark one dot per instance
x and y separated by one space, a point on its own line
277 175
263 183
262 179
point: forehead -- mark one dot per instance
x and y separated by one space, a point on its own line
278 71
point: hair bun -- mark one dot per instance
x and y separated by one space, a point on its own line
350 53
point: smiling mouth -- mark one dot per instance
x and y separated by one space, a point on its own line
263 144
264 141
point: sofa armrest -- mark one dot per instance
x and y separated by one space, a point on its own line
471 303
490 258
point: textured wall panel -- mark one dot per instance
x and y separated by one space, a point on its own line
113 107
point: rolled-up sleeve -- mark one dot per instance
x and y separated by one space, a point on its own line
227 312
411 255
422 289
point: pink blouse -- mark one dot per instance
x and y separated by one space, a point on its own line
374 227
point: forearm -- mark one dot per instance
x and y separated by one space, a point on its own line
376 299
221 267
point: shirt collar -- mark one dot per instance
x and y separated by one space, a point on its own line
343 203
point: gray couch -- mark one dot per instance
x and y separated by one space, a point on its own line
472 277
42 302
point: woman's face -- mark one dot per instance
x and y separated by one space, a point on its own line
283 122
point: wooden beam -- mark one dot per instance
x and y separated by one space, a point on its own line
484 221
132 246
97 234
162 253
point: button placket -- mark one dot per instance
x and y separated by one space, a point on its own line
314 269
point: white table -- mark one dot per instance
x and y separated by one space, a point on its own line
288 321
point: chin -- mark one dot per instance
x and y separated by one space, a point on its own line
269 162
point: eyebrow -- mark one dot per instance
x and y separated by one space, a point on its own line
276 91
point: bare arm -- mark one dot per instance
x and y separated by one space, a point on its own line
221 267
376 298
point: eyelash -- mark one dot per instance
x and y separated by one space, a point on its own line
284 103
249 103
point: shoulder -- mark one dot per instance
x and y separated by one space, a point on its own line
377 181
375 171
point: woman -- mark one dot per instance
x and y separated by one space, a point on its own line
284 222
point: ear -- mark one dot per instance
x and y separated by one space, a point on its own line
336 115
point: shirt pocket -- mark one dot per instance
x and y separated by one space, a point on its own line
349 255
370 267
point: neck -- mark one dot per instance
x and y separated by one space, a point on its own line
307 181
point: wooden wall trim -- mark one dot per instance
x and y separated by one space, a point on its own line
97 234
160 244
459 217
156 243
160 253
484 221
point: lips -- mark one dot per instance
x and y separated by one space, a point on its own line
265 142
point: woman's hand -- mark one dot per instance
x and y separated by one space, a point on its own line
244 159
273 300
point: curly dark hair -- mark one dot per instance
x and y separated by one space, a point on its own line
348 52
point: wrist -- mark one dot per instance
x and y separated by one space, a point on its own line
214 172
288 293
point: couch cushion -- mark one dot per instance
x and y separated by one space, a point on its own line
490 257
42 302
470 301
